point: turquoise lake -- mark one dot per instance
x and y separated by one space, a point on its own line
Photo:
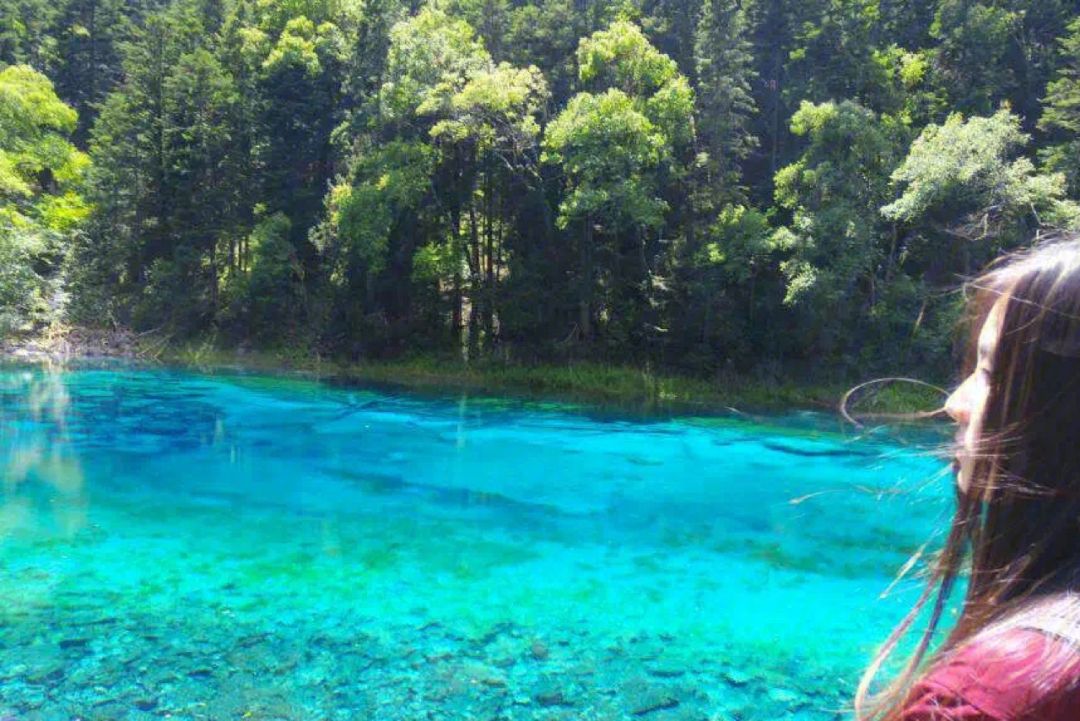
231 546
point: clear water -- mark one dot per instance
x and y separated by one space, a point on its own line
182 546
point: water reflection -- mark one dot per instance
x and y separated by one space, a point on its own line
43 479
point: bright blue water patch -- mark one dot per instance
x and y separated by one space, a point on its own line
227 547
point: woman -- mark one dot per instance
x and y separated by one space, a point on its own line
1014 652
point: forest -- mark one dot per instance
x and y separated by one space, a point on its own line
778 186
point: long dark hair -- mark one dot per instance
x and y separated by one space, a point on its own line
1016 529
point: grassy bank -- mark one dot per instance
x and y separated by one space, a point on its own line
579 381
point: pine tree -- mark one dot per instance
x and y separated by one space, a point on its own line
1061 117
724 67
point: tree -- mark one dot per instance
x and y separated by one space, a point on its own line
365 65
264 298
725 286
459 132
368 237
132 226
24 36
966 192
546 34
1061 115
613 148
203 174
836 241
989 52
492 123
299 82
963 193
724 100
89 63
431 56
40 202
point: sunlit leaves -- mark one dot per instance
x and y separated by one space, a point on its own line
622 57
497 107
971 166
611 144
606 146
833 193
431 57
40 177
36 158
34 129
390 181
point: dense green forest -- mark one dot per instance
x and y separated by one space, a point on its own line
726 184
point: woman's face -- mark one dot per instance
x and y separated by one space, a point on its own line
968 403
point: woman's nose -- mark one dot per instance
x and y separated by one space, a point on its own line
958 405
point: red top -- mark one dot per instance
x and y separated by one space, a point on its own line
1003 680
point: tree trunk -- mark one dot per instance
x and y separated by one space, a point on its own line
456 294
586 282
475 273
489 252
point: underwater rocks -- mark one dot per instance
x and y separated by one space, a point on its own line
644 698
551 696
201 666
68 643
539 650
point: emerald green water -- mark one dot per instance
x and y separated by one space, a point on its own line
175 545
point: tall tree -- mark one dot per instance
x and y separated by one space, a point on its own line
203 173
1061 116
300 81
133 225
24 33
725 105
989 52
969 192
90 35
617 148
40 203
836 241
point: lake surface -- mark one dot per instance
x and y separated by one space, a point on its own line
183 546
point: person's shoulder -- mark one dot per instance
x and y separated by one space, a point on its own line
1017 674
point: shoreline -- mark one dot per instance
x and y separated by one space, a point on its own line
582 381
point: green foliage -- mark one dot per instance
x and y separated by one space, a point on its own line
621 57
34 125
389 183
725 285
974 44
738 244
270 294
40 203
1063 94
833 193
497 108
606 147
24 36
607 144
621 151
699 183
968 171
724 64
1061 116
431 57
